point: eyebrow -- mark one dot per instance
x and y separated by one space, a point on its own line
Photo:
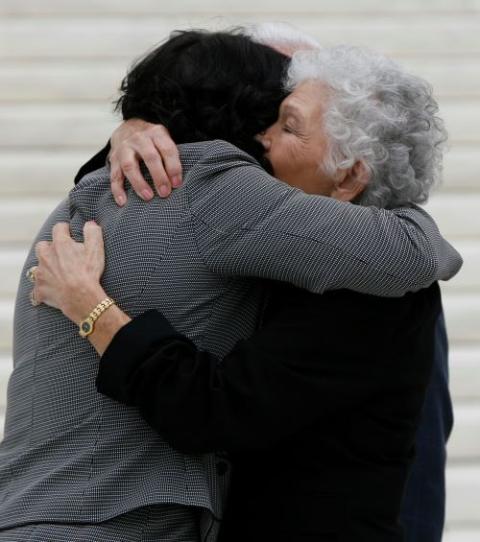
289 109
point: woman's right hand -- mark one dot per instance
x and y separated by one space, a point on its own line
134 141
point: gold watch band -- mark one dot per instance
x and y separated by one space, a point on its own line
87 325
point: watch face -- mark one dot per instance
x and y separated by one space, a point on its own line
86 327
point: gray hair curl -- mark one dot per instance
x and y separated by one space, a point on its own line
380 115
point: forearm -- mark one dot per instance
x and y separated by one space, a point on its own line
259 394
107 325
249 224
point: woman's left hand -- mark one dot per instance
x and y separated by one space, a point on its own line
68 273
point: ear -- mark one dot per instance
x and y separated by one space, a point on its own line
352 182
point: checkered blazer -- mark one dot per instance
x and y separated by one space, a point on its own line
72 455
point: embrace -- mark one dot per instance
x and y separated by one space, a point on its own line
254 354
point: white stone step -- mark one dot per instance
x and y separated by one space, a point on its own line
462 312
149 7
5 370
461 535
21 219
11 263
40 173
98 81
468 279
122 37
465 372
449 78
61 81
461 169
464 442
31 171
90 124
59 126
456 214
6 325
463 494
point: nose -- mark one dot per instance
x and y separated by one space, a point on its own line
264 139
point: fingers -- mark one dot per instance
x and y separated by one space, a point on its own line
126 160
117 182
153 160
170 155
42 248
93 237
153 145
61 232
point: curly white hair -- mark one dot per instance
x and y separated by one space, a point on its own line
379 115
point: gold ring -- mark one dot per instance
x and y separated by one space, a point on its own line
31 272
33 301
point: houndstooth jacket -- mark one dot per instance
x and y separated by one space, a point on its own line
72 455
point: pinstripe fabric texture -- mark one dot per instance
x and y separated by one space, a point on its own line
72 455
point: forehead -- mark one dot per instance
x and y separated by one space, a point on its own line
307 98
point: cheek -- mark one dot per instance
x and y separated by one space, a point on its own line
284 156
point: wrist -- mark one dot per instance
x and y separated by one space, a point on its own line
77 307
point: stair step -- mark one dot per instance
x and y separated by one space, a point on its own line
461 535
450 212
11 263
465 372
188 7
61 81
122 37
40 173
44 126
6 325
458 78
462 312
82 81
44 172
468 279
5 370
464 442
20 220
90 124
463 492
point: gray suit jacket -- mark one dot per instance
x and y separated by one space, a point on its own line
72 455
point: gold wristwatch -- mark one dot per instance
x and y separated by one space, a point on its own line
87 325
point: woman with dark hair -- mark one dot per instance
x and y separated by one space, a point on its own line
75 465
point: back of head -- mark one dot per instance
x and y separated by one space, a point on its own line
283 37
380 115
207 85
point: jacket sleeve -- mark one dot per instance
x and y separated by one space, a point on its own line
256 396
288 375
250 224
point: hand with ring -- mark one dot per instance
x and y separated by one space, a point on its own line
68 273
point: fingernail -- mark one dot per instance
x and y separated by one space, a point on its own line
147 194
176 181
120 200
164 191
